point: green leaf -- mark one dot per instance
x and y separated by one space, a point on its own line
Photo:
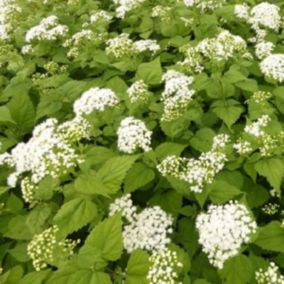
35 277
168 149
82 276
237 270
229 111
248 85
271 237
108 179
222 191
137 268
5 115
106 238
37 217
150 72
272 169
202 140
19 252
138 176
75 214
22 112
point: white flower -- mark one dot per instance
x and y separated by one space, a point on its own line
45 247
263 49
100 15
273 67
197 172
242 11
146 45
243 147
48 29
148 231
176 83
124 205
269 276
120 46
222 47
95 99
260 97
9 12
205 4
265 15
125 6
270 208
138 92
133 134
163 267
256 128
223 230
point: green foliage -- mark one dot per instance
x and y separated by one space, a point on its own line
43 79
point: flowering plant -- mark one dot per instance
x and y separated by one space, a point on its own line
141 142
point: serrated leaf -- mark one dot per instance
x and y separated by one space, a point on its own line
273 170
137 268
222 191
108 179
81 276
138 176
228 111
271 237
75 214
106 237
35 277
168 149
202 139
22 112
150 72
237 270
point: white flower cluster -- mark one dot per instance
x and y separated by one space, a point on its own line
80 39
100 16
258 138
223 230
204 5
133 134
176 95
269 276
193 59
149 230
8 12
49 152
122 45
124 205
243 147
223 47
44 248
125 6
265 15
162 12
263 49
273 67
257 127
197 172
138 92
163 267
48 29
260 97
262 16
270 208
94 99
146 45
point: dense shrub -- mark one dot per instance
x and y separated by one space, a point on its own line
141 141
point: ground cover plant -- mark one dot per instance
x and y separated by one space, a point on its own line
141 141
